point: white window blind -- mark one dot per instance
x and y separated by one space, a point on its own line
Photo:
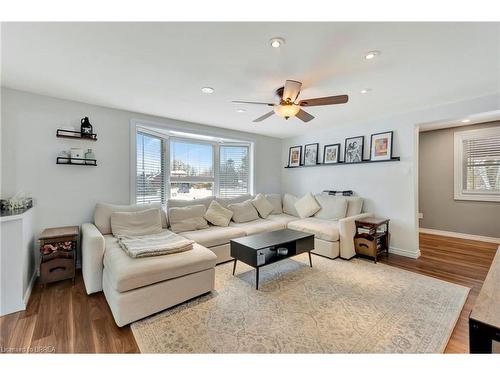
234 171
150 177
477 164
482 164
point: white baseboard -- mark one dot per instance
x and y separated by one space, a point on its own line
404 252
27 294
465 236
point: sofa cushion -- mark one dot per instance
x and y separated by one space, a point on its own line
243 212
103 211
332 207
275 200
289 201
218 215
214 236
258 226
190 202
126 273
354 205
138 223
323 229
262 205
225 202
307 206
183 219
282 218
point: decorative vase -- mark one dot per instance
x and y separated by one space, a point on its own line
90 156
86 127
64 154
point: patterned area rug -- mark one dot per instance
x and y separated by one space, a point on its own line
335 307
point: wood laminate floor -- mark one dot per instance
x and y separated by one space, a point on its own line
62 318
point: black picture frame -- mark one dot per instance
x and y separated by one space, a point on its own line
351 157
293 148
389 147
337 145
315 159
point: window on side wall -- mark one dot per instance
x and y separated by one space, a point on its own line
477 164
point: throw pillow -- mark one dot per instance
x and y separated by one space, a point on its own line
243 212
289 201
218 215
138 223
263 206
332 207
183 219
307 206
275 200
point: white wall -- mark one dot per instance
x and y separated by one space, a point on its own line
65 194
389 189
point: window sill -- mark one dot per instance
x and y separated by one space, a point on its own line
477 197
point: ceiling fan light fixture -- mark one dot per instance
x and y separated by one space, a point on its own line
277 42
286 110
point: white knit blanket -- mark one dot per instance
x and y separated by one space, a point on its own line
165 242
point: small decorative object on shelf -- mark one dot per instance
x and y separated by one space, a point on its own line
58 254
331 154
89 156
86 127
294 156
20 201
77 156
372 237
381 146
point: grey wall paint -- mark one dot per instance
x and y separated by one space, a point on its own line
441 211
66 195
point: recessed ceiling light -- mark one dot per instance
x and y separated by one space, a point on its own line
241 110
465 120
277 42
370 55
207 90
365 91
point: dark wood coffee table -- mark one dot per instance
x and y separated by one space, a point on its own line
261 249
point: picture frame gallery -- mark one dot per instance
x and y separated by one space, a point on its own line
381 149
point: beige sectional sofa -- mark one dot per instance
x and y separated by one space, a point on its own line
136 288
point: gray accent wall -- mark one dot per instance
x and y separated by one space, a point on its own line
436 191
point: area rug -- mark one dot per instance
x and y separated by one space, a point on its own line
336 306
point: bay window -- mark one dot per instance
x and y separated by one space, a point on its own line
169 166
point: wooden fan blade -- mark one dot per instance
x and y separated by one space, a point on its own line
243 102
263 117
291 90
304 116
327 100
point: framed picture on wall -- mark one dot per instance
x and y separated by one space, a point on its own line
311 154
381 146
294 156
331 153
353 150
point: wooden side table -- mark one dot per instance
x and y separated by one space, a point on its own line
372 237
58 254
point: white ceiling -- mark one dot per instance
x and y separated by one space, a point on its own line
159 68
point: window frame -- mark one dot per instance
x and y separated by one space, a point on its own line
461 193
137 125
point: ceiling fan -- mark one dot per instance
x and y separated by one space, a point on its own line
288 107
